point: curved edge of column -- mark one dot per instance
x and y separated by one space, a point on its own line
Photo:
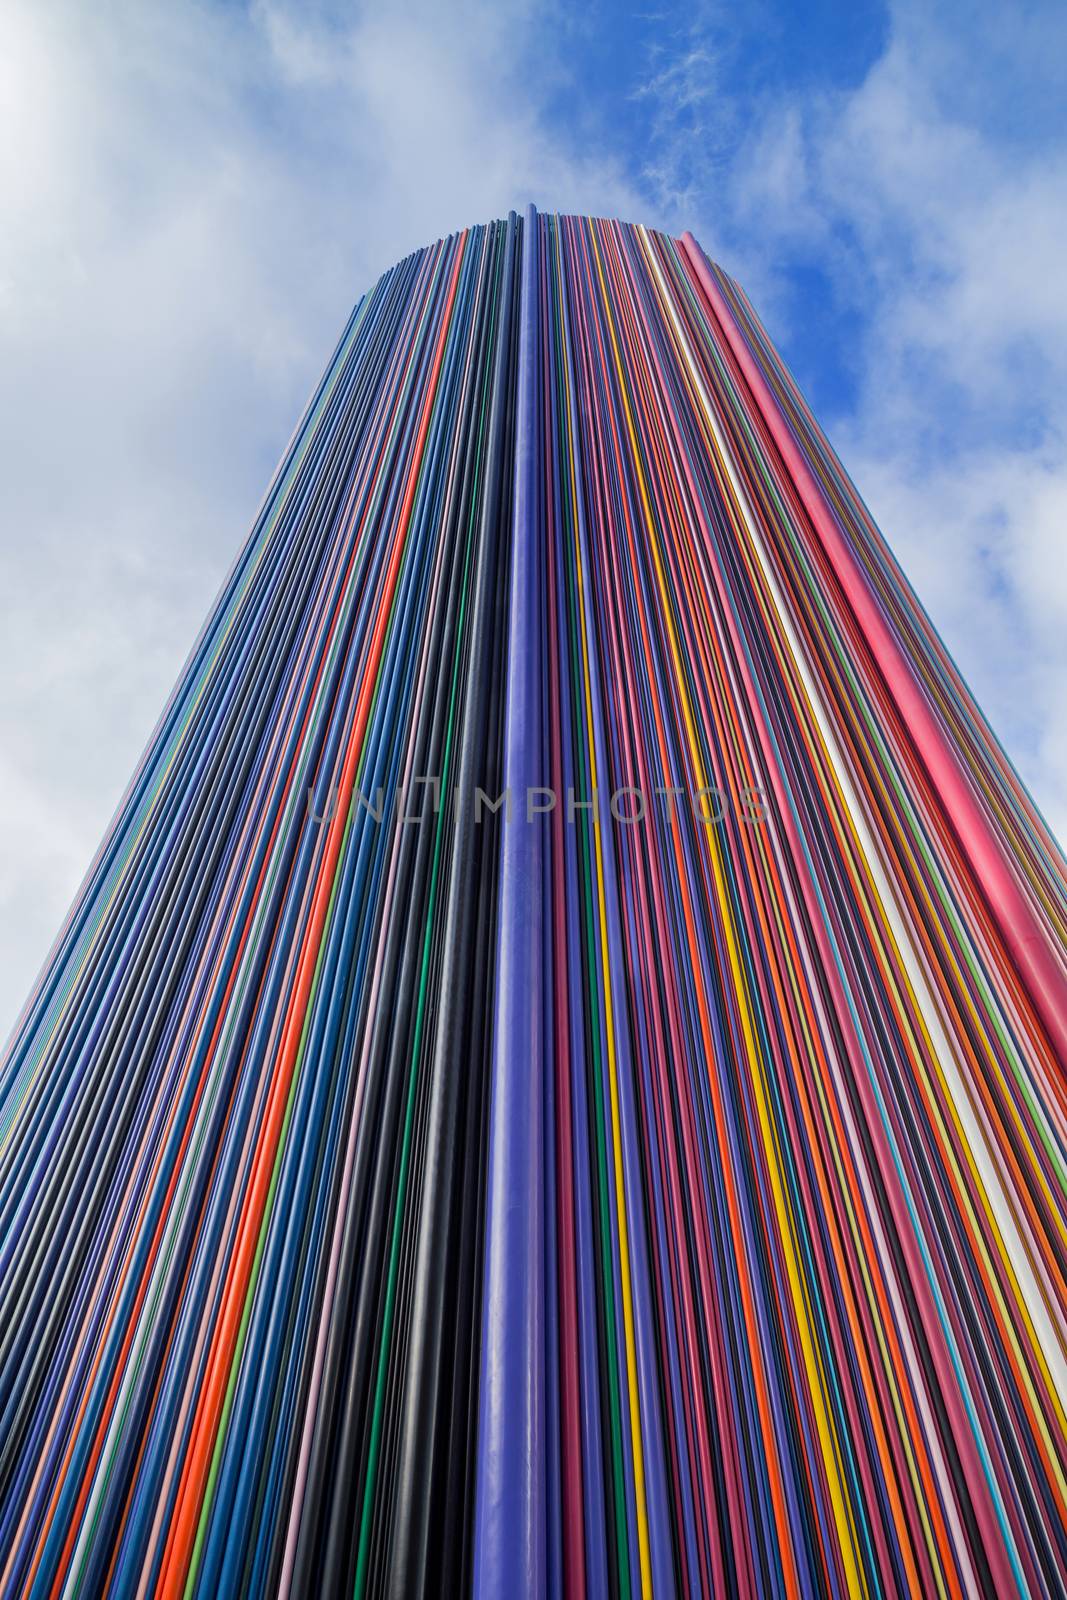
1040 972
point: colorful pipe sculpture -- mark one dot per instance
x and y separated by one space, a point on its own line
554 1080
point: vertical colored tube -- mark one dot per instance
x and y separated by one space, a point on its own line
510 1526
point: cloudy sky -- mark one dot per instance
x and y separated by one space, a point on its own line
192 195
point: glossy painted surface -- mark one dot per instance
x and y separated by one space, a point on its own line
657 1190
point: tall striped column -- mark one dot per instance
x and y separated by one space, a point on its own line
553 1082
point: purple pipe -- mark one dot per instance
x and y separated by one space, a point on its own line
510 1525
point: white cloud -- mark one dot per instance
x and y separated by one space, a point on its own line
958 440
944 229
190 200
982 540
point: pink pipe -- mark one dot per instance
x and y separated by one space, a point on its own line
1042 975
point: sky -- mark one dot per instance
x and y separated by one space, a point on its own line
193 195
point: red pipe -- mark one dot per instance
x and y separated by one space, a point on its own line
1041 973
